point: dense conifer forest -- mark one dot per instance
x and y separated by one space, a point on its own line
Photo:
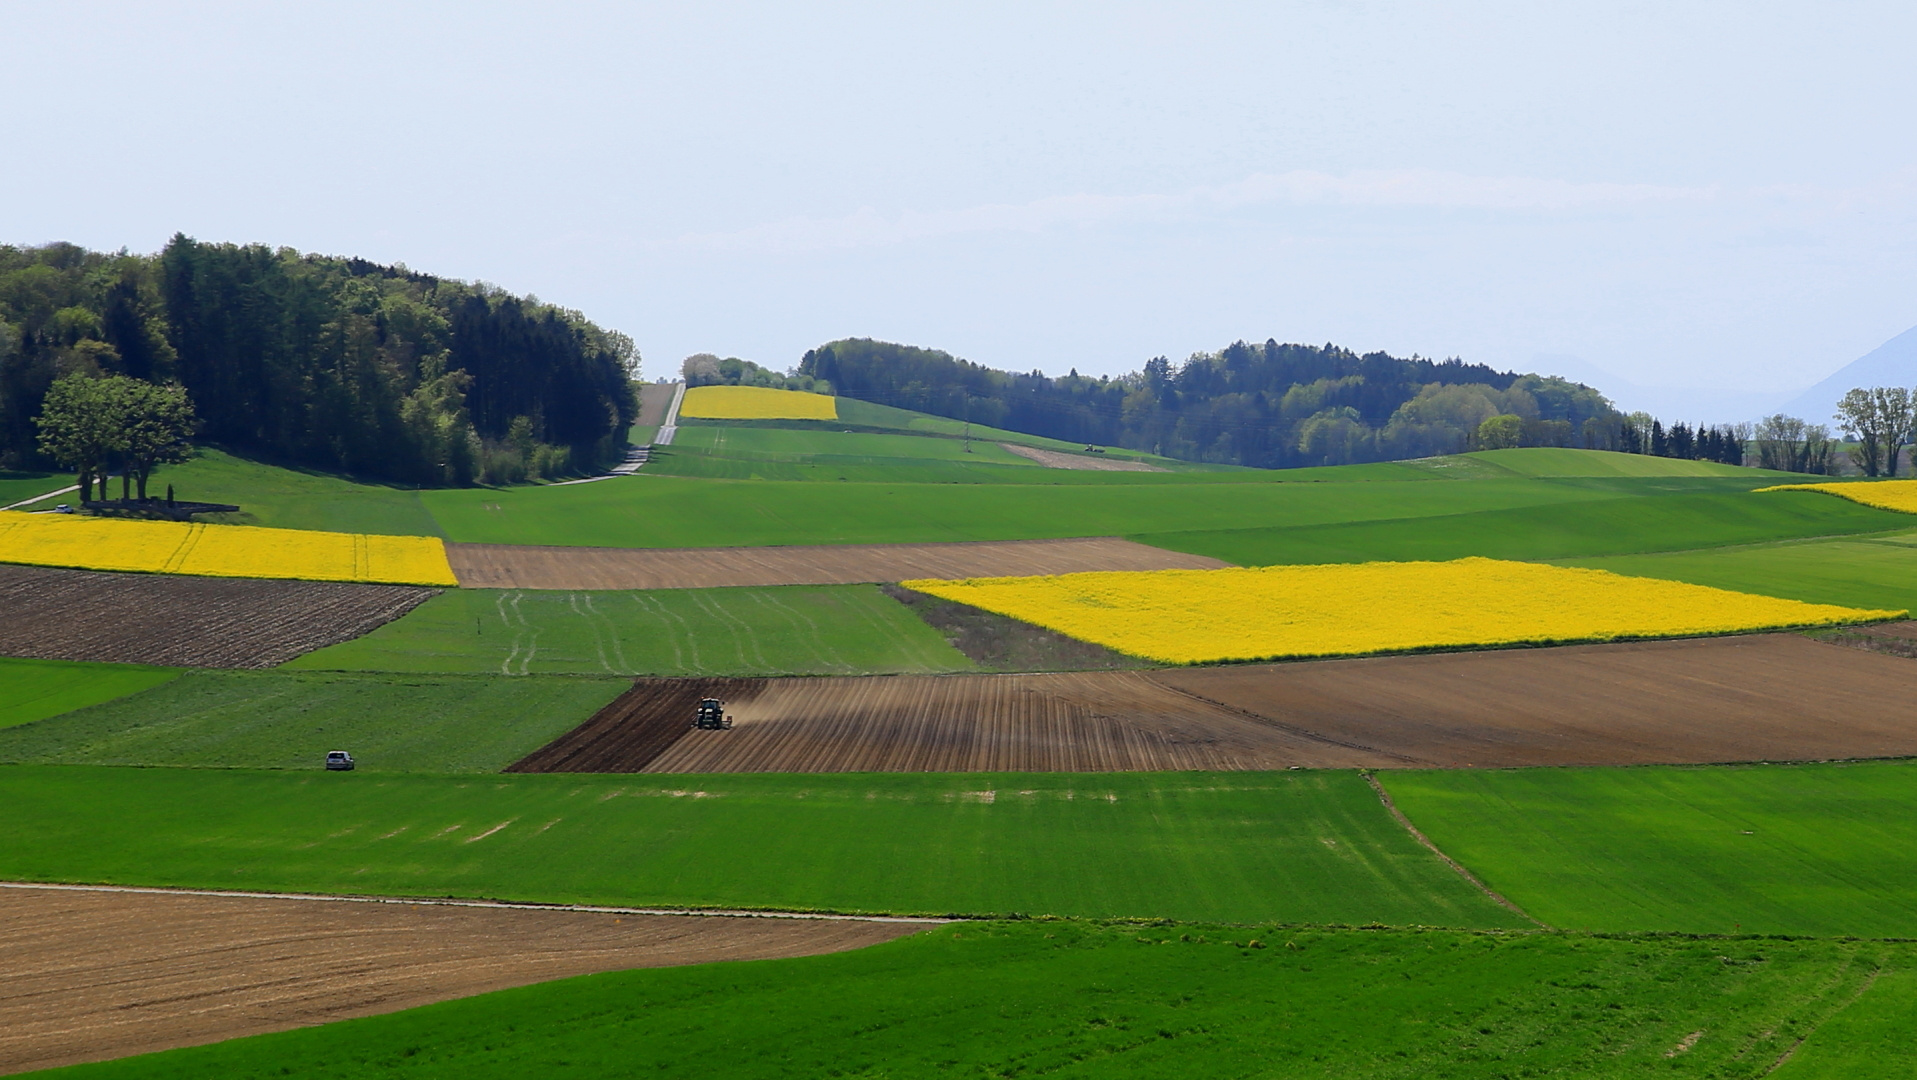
337 363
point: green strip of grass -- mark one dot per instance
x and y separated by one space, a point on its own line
1235 847
1564 461
1070 999
1664 522
1808 849
38 689
1875 572
790 630
667 511
283 720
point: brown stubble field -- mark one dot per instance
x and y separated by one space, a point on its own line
185 621
1767 697
99 975
511 566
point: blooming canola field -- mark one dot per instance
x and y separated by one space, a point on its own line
171 547
1203 616
756 403
1899 495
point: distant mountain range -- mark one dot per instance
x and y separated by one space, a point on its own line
1894 363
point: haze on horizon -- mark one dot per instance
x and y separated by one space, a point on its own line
1699 208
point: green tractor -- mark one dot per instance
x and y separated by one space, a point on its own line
711 716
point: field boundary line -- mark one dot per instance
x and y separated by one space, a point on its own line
1306 733
1418 835
717 913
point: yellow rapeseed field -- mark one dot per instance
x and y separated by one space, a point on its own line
172 547
756 403
1883 494
1197 616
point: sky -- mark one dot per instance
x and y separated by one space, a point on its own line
1699 208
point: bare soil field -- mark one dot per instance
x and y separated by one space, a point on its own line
1771 697
635 727
185 621
1763 697
508 566
1053 459
1074 722
98 975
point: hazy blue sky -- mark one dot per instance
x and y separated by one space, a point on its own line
1709 195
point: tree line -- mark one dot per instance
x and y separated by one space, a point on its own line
339 363
1268 406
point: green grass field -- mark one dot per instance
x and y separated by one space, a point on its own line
291 498
279 720
1876 571
19 486
1658 522
666 511
1072 999
1539 461
38 689
1801 849
791 630
1232 847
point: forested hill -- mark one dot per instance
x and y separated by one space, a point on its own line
333 362
1270 405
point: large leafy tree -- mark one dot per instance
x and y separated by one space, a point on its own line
157 423
79 425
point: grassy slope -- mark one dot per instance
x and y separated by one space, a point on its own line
1237 847
1811 849
17 486
1563 461
1078 1000
37 689
293 498
799 629
1655 522
289 721
663 511
1879 571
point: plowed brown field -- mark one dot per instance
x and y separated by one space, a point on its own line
508 566
98 975
185 621
1758 698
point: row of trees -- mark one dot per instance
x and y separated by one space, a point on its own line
98 425
1270 405
339 363
707 369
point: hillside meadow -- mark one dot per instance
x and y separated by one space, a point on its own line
1876 569
1313 847
1826 849
1078 999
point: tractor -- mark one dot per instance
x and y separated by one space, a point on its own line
711 716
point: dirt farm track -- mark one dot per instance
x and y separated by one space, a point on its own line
1769 697
166 619
507 566
98 975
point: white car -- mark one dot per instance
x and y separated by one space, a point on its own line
339 761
